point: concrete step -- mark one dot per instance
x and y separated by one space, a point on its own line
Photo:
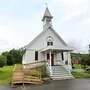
62 72
59 72
61 78
55 74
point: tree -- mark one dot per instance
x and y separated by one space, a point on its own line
10 61
85 60
76 55
3 60
14 57
5 53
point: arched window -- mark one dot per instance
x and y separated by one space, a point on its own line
50 41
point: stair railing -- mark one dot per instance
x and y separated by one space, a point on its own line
49 68
64 65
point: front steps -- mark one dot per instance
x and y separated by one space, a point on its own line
60 73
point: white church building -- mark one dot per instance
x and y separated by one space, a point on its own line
49 46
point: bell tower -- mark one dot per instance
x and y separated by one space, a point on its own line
47 19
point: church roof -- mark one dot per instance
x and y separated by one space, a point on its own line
41 34
47 14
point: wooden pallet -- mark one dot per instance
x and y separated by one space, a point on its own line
20 76
17 77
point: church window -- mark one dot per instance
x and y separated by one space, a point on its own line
36 55
50 41
62 56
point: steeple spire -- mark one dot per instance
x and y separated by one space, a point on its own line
47 14
47 19
46 4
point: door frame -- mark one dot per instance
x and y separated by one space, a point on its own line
52 58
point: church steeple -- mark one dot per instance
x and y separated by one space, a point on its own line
47 19
47 14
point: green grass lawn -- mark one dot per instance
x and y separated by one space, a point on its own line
77 66
80 74
5 74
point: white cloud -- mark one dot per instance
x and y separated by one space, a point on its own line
72 15
74 3
21 24
69 3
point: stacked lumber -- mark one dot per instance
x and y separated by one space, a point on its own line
17 77
26 76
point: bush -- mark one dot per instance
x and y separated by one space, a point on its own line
85 60
3 60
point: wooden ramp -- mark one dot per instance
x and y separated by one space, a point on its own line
29 76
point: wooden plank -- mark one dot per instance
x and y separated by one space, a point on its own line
20 76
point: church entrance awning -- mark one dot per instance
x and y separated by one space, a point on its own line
52 48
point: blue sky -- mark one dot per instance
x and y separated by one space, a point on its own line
20 22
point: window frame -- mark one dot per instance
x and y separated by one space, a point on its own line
50 41
36 55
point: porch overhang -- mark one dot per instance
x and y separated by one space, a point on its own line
51 48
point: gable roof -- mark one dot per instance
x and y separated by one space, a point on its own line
42 34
